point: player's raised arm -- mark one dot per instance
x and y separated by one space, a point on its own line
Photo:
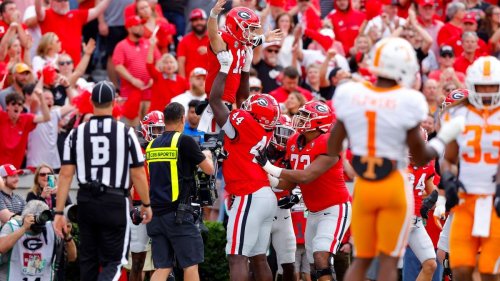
216 42
220 110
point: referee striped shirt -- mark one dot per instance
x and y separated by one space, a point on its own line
103 150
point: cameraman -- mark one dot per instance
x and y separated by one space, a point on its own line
172 159
28 245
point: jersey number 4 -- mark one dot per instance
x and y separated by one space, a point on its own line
475 144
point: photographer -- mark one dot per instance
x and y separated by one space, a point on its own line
172 159
29 244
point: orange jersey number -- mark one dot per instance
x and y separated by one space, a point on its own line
475 144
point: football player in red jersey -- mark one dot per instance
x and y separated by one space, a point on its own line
282 233
239 37
418 240
251 213
152 126
321 181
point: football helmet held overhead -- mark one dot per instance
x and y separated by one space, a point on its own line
485 71
241 23
264 109
454 96
312 116
394 58
152 125
282 132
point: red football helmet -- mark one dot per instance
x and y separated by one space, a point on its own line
454 96
313 115
152 125
264 108
241 23
282 132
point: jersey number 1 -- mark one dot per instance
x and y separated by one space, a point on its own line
238 67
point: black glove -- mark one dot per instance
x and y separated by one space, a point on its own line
288 201
428 203
450 185
261 158
201 107
135 215
496 200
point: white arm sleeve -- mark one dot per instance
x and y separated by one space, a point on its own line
229 129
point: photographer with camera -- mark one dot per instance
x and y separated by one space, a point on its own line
28 245
172 159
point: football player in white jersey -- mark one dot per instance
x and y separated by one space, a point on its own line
473 195
381 121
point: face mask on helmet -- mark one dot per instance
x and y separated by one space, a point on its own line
281 135
152 125
311 117
483 82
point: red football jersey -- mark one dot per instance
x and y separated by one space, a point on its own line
418 177
327 190
233 78
242 175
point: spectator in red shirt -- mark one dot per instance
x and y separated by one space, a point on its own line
469 55
446 73
451 33
192 49
346 23
426 16
17 126
166 83
153 21
129 59
290 83
67 24
470 25
11 19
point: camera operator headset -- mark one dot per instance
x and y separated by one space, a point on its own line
172 159
29 245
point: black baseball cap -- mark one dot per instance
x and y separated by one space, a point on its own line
446 50
103 92
334 72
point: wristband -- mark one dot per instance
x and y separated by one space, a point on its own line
60 213
146 205
213 15
272 170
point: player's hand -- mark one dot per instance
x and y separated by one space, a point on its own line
440 209
146 214
450 185
428 203
451 129
274 35
261 157
248 59
60 225
218 8
225 60
496 200
288 201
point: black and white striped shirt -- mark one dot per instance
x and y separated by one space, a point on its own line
103 150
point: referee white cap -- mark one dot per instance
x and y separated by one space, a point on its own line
103 92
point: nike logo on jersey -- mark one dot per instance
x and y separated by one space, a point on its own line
326 214
286 217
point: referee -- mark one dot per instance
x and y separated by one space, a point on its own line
105 155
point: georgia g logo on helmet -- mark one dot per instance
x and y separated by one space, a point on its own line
321 108
244 15
262 102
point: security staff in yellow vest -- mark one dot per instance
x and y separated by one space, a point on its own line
172 160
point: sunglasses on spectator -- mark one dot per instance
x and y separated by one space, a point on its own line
61 1
447 55
273 51
44 174
68 62
255 89
16 103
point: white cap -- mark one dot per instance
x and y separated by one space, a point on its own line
327 32
273 43
255 82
